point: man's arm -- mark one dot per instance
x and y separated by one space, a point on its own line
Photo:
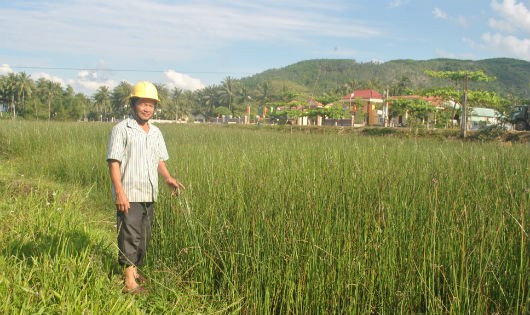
175 186
122 202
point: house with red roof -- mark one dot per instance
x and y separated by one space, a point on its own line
364 105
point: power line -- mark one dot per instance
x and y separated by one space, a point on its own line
118 70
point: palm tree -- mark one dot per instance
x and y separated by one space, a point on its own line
102 100
24 88
10 86
244 97
163 96
207 97
186 107
120 98
243 94
264 92
176 95
227 91
3 93
51 89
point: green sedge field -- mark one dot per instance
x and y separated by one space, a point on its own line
274 221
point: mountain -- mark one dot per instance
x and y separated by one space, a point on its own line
324 75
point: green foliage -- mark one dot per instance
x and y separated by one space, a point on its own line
401 76
418 109
379 131
489 133
446 93
323 80
222 111
459 76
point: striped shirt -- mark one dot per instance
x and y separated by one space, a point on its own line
139 153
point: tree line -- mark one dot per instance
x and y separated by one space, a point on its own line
23 97
44 99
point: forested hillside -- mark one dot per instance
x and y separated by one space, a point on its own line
321 76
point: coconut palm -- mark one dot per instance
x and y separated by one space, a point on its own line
120 98
176 97
243 94
186 105
264 92
3 93
52 90
24 87
227 91
10 88
164 97
102 100
208 98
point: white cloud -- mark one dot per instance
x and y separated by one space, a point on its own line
518 48
439 13
37 75
182 81
514 13
5 69
501 25
86 81
89 81
397 3
513 28
150 35
165 31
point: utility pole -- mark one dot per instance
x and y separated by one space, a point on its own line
351 109
386 122
463 124
456 76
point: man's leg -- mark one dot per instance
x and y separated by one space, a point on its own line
130 237
146 223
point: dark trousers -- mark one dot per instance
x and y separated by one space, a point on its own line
134 233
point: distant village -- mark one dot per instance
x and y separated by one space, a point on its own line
364 107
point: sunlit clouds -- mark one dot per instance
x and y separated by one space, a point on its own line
511 29
182 81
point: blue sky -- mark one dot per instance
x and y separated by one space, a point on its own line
194 43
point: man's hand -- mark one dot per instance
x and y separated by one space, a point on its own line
175 186
122 202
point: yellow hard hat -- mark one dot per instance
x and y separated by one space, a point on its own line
145 89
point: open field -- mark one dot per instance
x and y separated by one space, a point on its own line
273 221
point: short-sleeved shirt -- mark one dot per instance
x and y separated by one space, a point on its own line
139 153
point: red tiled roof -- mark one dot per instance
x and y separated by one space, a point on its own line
314 103
364 94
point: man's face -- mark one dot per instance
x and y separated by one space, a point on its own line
144 108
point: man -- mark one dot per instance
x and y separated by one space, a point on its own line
136 155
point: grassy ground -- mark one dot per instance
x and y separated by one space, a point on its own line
283 220
57 234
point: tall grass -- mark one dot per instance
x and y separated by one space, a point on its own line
344 224
275 223
64 152
53 260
